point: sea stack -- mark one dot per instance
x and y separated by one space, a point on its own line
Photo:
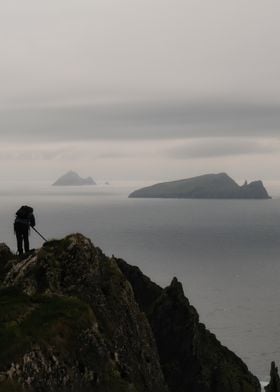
274 385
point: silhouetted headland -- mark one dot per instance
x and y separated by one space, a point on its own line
73 319
209 186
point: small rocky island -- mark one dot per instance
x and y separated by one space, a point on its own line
209 186
73 319
72 178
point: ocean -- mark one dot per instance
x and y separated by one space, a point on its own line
225 252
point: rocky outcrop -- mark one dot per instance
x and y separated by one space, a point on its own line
191 357
254 190
209 186
274 385
72 319
72 178
5 260
78 326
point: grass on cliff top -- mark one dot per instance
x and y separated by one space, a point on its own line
43 320
58 243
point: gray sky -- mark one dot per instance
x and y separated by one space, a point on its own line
139 89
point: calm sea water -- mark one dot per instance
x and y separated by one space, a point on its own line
226 253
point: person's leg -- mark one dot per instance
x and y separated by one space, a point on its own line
19 242
26 240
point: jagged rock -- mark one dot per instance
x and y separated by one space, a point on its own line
274 385
254 190
208 186
6 258
111 348
192 359
5 254
72 319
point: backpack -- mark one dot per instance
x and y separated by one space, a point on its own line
24 212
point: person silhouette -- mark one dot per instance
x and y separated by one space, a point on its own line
24 219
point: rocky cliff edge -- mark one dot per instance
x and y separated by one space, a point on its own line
72 319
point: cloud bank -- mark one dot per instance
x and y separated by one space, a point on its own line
148 120
224 147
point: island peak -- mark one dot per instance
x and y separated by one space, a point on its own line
72 178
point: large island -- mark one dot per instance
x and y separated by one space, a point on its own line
209 186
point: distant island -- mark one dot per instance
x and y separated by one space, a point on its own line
72 178
209 186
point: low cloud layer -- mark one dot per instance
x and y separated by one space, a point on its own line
90 152
149 120
155 159
223 147
182 149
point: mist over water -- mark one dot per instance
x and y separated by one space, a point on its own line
225 252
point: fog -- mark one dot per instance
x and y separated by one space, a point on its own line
139 89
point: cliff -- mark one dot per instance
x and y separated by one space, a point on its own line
274 385
209 186
72 319
72 178
191 357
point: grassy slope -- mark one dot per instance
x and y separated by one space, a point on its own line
43 320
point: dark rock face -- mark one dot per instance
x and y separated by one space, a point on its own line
73 179
254 190
95 338
5 254
209 186
72 319
274 385
5 260
192 359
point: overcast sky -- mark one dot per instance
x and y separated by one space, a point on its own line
139 89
